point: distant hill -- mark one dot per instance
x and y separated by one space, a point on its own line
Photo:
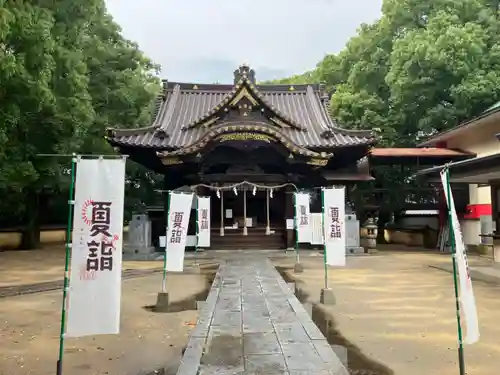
307 77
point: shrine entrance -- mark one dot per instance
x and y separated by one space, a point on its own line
279 138
248 217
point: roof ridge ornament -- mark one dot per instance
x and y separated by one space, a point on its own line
245 88
244 73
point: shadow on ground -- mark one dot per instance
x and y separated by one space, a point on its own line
191 302
358 363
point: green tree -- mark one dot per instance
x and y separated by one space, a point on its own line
123 85
66 73
443 73
44 91
423 67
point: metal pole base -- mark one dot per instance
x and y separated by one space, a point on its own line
59 367
162 302
298 268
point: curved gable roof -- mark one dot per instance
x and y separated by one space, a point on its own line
299 110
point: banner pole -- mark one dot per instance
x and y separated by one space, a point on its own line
297 257
66 265
324 236
461 359
167 219
195 263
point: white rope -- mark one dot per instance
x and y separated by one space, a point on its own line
229 187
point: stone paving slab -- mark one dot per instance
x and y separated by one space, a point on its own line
252 324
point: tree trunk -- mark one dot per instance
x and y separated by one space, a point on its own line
31 233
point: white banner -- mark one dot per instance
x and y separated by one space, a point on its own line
317 228
178 221
96 256
467 299
203 221
302 218
334 226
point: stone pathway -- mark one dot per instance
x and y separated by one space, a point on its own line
252 324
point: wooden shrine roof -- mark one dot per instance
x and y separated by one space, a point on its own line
187 112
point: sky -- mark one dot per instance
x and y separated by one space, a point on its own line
206 40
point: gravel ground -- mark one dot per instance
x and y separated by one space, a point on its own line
395 311
29 331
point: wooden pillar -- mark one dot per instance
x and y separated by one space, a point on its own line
495 205
222 213
268 219
245 229
289 215
166 191
495 216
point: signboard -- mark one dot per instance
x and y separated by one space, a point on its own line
302 217
352 231
178 221
245 136
334 226
96 256
203 222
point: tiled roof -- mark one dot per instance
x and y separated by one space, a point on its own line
417 152
187 112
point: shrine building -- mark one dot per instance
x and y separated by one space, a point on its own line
479 172
249 147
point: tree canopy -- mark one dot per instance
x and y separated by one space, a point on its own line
423 67
66 74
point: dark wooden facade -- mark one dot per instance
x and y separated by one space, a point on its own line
270 135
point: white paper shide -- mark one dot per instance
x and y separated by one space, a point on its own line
178 221
303 217
96 257
334 226
203 221
467 299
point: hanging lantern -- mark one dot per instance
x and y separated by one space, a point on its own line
218 193
270 193
235 191
254 190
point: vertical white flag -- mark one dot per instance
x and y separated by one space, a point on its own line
203 221
334 226
178 222
317 228
96 256
302 217
467 299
